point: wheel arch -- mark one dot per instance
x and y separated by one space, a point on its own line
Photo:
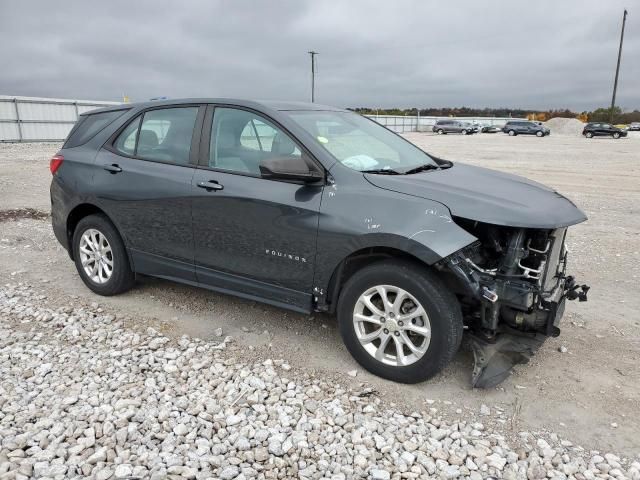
363 257
79 212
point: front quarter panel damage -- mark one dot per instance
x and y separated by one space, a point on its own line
360 217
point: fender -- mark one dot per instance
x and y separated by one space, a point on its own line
419 227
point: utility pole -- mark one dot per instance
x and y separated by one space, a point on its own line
313 75
615 83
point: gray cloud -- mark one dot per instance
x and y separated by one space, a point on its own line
543 54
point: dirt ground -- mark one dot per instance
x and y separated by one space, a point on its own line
590 394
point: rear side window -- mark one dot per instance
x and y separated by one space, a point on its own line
126 142
89 125
166 134
163 135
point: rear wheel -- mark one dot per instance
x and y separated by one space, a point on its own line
512 133
616 135
589 135
399 321
100 256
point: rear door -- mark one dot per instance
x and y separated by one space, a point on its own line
143 182
254 236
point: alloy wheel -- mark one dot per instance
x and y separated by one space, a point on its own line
96 256
391 325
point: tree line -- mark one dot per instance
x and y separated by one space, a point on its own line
597 115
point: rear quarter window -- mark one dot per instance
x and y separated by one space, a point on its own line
88 126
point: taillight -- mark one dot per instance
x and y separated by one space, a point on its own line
55 162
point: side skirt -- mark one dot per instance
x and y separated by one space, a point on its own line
188 274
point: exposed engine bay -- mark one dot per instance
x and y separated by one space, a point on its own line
512 286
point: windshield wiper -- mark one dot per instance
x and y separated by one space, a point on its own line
381 171
422 168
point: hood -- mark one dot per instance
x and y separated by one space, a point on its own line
488 196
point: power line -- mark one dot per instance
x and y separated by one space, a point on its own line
313 74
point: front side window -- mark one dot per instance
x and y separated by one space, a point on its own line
359 143
241 140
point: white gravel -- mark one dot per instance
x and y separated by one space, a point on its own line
85 394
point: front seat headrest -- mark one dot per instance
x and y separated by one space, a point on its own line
282 145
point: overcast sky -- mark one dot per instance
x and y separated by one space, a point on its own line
536 54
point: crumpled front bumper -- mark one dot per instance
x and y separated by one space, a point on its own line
495 358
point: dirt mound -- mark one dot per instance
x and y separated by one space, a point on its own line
565 126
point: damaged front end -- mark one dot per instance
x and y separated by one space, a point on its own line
512 284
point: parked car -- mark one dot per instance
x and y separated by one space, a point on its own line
318 209
634 126
524 127
490 129
454 126
602 129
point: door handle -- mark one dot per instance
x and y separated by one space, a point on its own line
211 185
113 168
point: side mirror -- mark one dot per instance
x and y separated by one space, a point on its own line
288 168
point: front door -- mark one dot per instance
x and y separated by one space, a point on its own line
143 182
253 236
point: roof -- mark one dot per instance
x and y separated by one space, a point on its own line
258 104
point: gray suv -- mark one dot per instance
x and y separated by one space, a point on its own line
523 127
318 209
454 126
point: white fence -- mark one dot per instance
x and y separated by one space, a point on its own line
406 123
33 119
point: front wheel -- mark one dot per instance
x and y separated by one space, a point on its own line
464 132
399 321
100 256
616 135
440 131
539 134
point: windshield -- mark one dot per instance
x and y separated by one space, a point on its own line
359 143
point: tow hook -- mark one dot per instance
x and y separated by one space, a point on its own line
574 291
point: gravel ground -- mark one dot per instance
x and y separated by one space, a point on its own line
111 387
87 393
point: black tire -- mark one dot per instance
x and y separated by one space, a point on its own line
440 131
616 135
464 132
440 304
589 135
539 134
122 277
512 133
